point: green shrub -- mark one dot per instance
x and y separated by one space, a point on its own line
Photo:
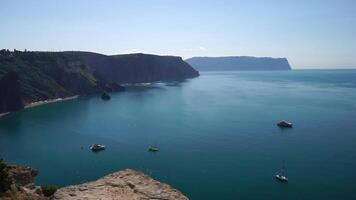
4 178
48 190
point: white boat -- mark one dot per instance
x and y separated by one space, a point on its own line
281 174
97 147
281 177
285 124
153 148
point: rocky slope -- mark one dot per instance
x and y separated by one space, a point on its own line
123 185
21 186
244 63
27 77
10 92
138 68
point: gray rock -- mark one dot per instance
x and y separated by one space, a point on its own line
123 185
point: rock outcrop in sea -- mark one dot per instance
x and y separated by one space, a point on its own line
105 96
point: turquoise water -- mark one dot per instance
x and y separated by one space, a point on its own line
216 133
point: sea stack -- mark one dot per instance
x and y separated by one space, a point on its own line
105 96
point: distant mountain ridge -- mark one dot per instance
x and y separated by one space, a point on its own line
30 76
243 63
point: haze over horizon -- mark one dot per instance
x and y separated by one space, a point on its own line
315 34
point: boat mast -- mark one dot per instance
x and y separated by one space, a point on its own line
284 171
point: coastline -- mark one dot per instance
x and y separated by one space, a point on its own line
3 114
49 101
44 102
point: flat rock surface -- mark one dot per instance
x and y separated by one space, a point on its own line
123 185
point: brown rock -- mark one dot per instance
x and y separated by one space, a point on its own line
123 185
21 176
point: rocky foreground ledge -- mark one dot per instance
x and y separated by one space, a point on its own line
123 185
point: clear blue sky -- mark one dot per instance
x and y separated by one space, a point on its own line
314 33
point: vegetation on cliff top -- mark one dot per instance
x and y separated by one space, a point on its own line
48 190
29 76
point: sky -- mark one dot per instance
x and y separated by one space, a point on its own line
310 34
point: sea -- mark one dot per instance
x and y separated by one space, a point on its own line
216 134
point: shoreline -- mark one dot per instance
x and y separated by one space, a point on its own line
44 102
3 114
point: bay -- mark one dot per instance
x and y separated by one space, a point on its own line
217 135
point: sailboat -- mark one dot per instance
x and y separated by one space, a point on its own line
285 124
153 148
281 174
97 147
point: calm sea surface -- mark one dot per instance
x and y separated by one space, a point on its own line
216 133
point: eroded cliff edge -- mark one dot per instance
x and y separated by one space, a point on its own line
122 185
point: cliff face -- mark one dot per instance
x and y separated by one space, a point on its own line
238 63
21 184
33 76
123 185
138 68
10 92
45 75
126 185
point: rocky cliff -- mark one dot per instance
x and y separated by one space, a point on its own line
138 68
17 183
27 77
10 92
123 185
244 63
